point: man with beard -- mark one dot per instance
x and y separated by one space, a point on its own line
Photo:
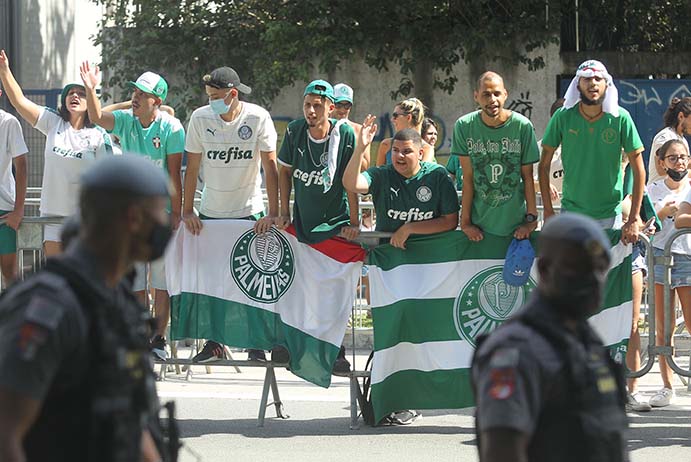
592 131
546 388
497 149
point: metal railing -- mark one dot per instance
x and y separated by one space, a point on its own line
30 238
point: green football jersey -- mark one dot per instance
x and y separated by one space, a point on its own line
165 136
398 200
453 166
317 214
497 155
591 153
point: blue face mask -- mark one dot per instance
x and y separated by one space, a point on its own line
219 106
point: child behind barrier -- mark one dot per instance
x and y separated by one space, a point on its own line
667 195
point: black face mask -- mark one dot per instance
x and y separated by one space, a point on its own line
577 297
158 240
676 175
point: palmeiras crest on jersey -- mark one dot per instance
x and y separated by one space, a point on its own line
245 132
486 301
262 265
423 193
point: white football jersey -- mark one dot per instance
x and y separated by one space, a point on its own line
231 160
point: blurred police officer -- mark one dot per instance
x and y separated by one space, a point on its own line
75 375
545 386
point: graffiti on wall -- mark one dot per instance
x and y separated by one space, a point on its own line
523 104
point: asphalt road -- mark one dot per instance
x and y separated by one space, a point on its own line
218 420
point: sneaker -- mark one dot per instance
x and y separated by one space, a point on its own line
158 347
662 398
212 351
403 417
341 366
635 403
256 355
280 354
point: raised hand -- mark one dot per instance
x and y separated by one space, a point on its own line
369 129
90 76
4 61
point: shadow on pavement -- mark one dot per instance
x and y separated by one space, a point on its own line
334 426
659 428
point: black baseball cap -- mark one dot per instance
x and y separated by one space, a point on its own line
225 77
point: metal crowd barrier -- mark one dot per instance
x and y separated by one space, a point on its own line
30 238
667 350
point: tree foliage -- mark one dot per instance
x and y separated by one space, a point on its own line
627 25
274 43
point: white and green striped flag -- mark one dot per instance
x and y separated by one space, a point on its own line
430 302
256 291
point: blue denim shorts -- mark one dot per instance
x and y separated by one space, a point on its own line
638 262
681 271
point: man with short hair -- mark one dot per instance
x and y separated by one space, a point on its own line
313 157
147 131
410 197
497 148
12 191
232 141
592 131
343 104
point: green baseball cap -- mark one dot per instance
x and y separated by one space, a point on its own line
320 88
66 89
342 93
152 83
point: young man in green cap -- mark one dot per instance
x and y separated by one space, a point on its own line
343 104
158 136
313 157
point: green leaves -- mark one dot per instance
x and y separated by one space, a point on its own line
274 43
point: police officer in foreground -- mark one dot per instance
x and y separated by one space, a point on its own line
546 388
76 382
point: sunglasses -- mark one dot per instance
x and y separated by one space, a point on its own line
396 115
344 105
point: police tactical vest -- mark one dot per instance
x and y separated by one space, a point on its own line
587 423
102 418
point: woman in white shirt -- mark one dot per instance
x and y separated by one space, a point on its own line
667 194
72 143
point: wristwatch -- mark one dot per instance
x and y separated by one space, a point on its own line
530 218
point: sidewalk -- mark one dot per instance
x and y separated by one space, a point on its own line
218 412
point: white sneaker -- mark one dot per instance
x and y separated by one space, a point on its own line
662 398
636 403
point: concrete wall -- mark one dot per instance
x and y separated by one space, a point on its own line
54 38
530 93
